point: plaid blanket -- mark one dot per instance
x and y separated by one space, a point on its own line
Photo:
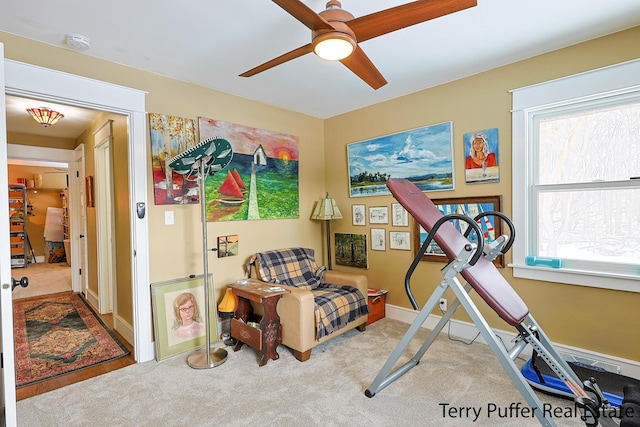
293 267
335 306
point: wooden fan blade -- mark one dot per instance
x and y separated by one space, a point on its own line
361 65
296 53
393 19
304 14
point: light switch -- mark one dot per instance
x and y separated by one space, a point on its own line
168 218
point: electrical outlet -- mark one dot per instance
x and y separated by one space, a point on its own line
443 304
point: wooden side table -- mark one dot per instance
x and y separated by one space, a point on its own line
376 300
269 335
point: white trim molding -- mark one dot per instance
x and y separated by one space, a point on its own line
618 79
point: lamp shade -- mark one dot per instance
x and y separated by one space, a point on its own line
229 302
45 116
326 209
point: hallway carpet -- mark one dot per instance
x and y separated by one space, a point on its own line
58 335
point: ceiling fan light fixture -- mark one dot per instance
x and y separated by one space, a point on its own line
45 116
333 46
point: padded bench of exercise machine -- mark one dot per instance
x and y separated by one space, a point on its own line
487 282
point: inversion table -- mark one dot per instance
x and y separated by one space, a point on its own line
474 263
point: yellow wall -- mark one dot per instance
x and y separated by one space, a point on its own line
588 318
594 319
122 216
119 146
40 140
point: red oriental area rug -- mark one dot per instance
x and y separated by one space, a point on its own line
58 335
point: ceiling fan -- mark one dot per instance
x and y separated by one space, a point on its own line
340 28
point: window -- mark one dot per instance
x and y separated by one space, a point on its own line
576 179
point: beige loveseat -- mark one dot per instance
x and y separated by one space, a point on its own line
297 309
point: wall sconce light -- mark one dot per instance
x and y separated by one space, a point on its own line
45 116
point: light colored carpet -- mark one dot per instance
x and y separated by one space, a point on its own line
327 390
44 279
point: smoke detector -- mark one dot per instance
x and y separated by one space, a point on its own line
78 41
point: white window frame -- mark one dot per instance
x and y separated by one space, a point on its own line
614 80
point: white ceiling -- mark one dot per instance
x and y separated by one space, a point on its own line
210 43
75 120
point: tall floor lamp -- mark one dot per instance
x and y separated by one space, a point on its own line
327 210
200 161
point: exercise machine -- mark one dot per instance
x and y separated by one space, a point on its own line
473 263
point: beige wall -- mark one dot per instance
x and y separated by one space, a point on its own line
593 319
588 318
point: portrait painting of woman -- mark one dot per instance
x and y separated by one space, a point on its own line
188 323
481 162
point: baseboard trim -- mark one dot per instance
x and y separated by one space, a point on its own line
125 329
92 297
468 331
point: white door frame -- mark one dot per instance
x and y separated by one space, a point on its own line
8 414
78 226
103 183
41 83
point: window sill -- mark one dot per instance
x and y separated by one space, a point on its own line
618 282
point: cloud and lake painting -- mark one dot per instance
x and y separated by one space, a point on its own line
423 156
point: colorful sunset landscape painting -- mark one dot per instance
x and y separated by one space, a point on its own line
261 182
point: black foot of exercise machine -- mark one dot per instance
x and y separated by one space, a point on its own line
473 262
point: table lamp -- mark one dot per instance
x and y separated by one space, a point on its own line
327 210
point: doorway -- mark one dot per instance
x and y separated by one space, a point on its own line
46 232
41 83
50 274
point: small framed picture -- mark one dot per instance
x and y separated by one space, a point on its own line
399 215
400 240
179 315
227 246
351 250
378 239
379 215
358 215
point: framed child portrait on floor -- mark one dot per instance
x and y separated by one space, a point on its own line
179 315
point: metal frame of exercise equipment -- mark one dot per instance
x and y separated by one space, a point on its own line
595 409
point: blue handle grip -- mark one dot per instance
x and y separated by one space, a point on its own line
547 262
